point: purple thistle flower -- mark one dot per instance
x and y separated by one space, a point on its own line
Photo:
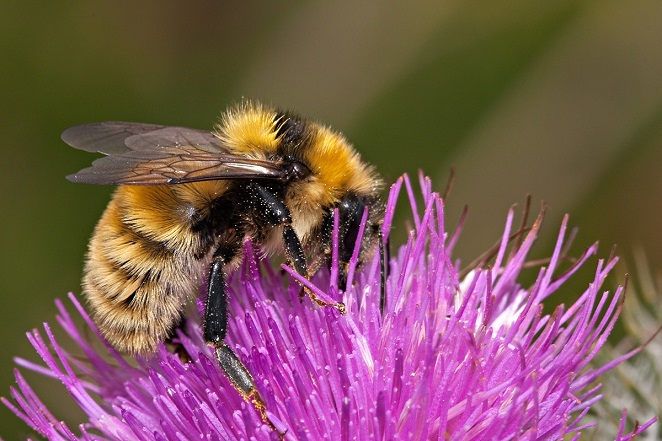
452 358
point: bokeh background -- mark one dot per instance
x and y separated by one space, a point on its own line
561 100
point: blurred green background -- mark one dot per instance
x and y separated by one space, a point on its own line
562 100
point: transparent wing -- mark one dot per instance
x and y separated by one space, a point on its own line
148 154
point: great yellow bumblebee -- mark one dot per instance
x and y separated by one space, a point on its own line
188 198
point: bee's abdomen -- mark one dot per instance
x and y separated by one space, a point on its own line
137 283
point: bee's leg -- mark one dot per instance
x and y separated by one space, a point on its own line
175 346
383 261
215 328
270 209
215 325
295 255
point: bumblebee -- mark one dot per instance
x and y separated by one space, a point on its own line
187 199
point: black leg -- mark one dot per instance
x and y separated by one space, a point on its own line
294 250
175 346
270 209
352 219
216 308
382 274
215 328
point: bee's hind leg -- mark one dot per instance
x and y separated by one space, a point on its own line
215 327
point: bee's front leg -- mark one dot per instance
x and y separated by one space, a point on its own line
269 208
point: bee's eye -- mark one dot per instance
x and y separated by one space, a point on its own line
296 170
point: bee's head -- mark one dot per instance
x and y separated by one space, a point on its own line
352 218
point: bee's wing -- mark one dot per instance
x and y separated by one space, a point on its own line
151 154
